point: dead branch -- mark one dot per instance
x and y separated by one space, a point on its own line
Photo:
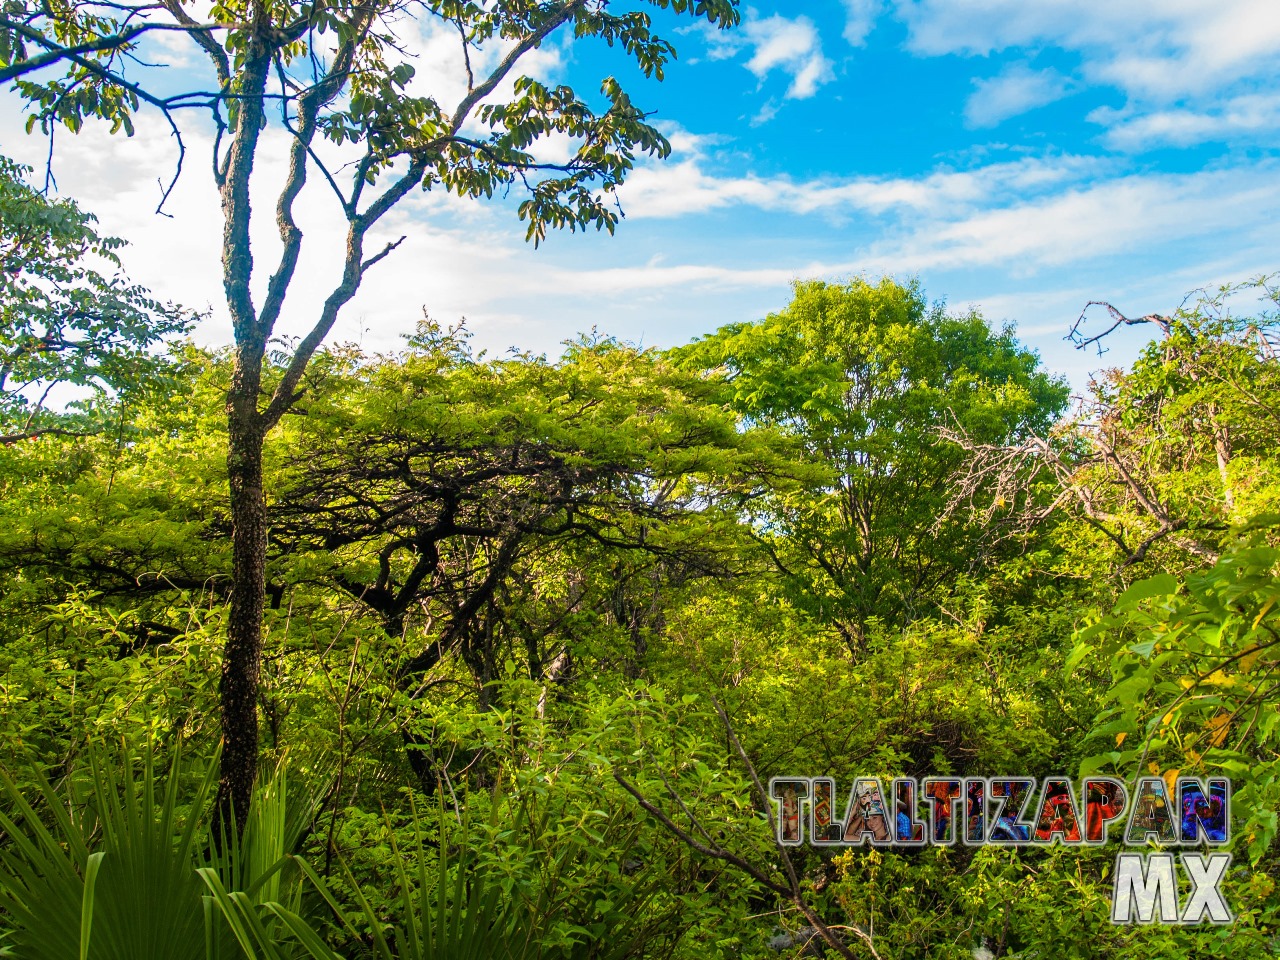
998 479
1076 334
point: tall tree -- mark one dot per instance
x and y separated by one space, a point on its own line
341 79
863 374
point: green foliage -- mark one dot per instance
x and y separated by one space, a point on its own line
63 320
119 868
950 903
447 910
503 587
863 375
564 837
1193 668
1167 457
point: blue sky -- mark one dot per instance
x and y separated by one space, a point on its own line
1023 157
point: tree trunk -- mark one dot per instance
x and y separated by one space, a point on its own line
242 658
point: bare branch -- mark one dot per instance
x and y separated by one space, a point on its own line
1076 335
12 438
380 256
716 853
466 55
999 478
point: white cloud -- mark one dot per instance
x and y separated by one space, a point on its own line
1159 51
1191 70
1249 115
791 46
860 19
684 186
765 113
1013 92
1094 224
1085 224
169 48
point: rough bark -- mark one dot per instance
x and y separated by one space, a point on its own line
242 659
242 656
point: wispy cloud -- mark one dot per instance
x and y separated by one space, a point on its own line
1013 92
1150 50
686 185
791 46
1087 223
860 19
1256 116
1083 224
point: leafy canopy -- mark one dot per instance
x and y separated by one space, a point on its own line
346 71
862 375
68 315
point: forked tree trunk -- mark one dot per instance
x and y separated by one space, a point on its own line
247 424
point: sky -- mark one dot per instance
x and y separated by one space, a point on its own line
1019 157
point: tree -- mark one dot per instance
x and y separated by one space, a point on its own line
1184 442
491 508
340 77
1160 460
63 323
862 374
429 478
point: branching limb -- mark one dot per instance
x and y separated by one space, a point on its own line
1076 335
717 853
797 894
54 52
466 55
532 41
309 105
353 271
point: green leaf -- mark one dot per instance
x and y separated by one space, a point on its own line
1161 585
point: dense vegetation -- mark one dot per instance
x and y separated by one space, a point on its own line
537 627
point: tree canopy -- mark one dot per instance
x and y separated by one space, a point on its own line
863 375
538 631
64 322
